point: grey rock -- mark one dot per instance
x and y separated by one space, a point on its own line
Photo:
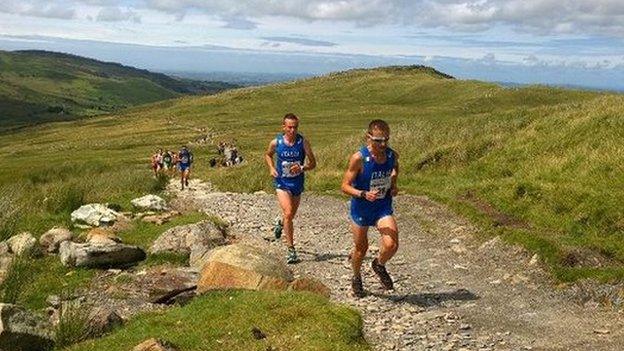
95 215
52 239
21 330
94 255
150 202
204 235
21 243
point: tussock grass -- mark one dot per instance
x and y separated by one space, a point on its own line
73 326
17 278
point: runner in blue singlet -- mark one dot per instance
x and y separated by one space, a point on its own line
371 181
185 160
291 150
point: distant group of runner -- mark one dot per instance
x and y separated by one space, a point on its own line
171 162
370 180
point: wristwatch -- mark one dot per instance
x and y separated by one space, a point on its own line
362 194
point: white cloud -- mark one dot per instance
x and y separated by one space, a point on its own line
117 14
38 8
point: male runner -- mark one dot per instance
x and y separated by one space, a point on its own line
371 179
185 160
288 175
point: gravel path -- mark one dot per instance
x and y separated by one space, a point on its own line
452 292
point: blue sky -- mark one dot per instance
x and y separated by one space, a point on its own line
526 41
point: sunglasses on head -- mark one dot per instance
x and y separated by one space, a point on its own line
378 139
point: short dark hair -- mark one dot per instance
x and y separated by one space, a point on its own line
290 116
378 124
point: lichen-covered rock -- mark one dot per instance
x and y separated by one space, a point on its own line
150 202
182 239
52 239
95 215
21 243
21 330
99 255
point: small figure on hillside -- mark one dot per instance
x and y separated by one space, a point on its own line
185 160
156 161
167 162
371 181
288 176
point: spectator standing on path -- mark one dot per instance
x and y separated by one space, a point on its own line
291 150
185 160
371 181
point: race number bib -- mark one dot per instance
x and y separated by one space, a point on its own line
382 185
286 169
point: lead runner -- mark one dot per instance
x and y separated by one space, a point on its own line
371 181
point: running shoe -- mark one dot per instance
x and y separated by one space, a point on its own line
384 277
291 257
277 229
356 286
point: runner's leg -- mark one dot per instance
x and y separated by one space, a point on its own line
360 246
389 241
289 205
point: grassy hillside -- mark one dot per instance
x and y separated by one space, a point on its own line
539 166
40 86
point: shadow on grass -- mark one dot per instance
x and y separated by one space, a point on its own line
431 299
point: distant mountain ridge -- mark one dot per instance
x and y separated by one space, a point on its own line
41 86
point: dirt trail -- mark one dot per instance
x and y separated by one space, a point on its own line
452 291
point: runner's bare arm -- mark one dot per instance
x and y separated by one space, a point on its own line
268 158
311 159
354 168
394 175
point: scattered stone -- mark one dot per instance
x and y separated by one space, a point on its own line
54 301
95 215
21 330
534 260
160 219
102 320
181 239
100 236
602 331
99 255
257 333
150 202
21 243
155 345
52 239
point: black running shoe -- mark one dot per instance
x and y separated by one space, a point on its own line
384 277
356 286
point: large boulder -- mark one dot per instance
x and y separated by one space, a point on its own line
99 255
21 243
242 266
52 239
182 239
21 330
95 215
150 202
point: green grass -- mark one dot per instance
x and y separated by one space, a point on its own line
291 321
39 86
549 158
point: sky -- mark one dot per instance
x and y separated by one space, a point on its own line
563 42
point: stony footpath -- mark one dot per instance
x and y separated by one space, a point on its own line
453 292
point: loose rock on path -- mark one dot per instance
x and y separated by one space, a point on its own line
452 292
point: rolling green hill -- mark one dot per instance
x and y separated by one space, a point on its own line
40 86
539 166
